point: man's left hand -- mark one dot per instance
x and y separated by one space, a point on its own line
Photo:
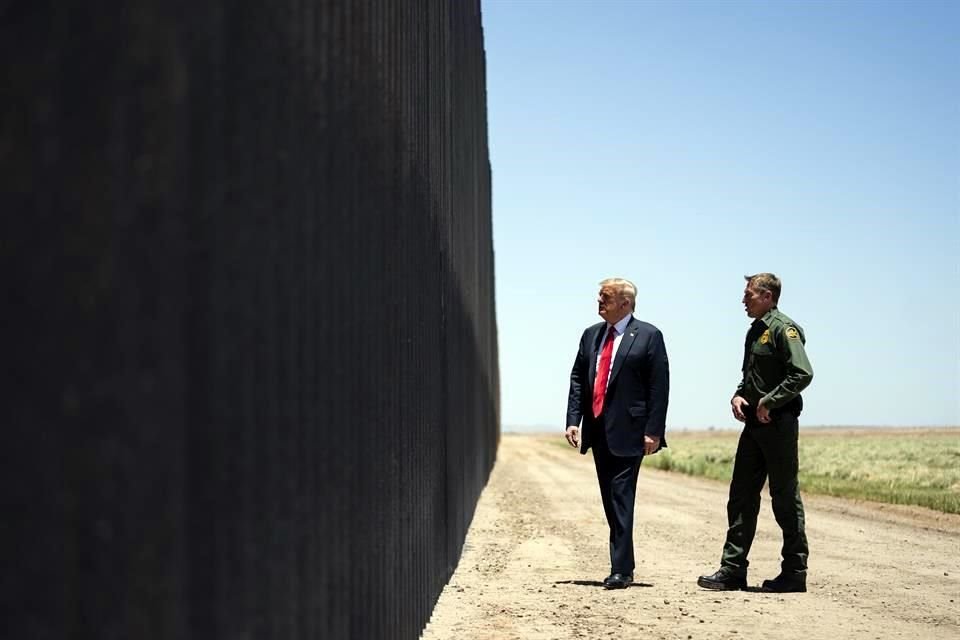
763 413
650 444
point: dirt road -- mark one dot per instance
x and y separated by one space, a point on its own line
536 553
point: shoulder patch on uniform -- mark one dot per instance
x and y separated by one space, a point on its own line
792 333
765 338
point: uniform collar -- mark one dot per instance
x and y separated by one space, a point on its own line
765 318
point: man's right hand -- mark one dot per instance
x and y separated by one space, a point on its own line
738 403
573 436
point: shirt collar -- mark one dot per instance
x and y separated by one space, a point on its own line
622 325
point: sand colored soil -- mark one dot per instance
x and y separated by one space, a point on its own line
536 553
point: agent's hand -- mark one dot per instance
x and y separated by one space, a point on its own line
763 413
573 436
650 444
738 403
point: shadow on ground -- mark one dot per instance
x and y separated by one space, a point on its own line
598 583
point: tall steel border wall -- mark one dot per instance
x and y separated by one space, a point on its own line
250 383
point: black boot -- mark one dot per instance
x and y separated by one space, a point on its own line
786 583
723 580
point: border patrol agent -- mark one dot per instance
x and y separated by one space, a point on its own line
775 370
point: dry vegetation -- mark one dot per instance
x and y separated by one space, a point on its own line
900 466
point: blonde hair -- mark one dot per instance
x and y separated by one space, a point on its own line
765 282
623 288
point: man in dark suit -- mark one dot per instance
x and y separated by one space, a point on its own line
619 387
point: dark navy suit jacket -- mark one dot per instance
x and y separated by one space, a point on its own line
637 392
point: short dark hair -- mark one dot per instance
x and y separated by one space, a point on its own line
765 282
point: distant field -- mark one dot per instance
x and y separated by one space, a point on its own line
899 466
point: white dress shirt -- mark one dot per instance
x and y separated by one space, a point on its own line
619 328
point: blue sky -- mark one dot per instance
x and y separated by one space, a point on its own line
685 144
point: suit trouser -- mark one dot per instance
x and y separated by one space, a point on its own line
617 476
766 450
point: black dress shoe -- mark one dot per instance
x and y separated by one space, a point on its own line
723 580
785 583
617 581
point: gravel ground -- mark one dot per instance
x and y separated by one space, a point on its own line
536 553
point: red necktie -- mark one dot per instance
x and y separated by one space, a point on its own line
603 372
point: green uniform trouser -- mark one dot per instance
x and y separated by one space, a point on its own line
766 450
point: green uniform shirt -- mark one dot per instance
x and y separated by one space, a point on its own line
775 364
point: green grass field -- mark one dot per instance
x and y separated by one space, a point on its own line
899 466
